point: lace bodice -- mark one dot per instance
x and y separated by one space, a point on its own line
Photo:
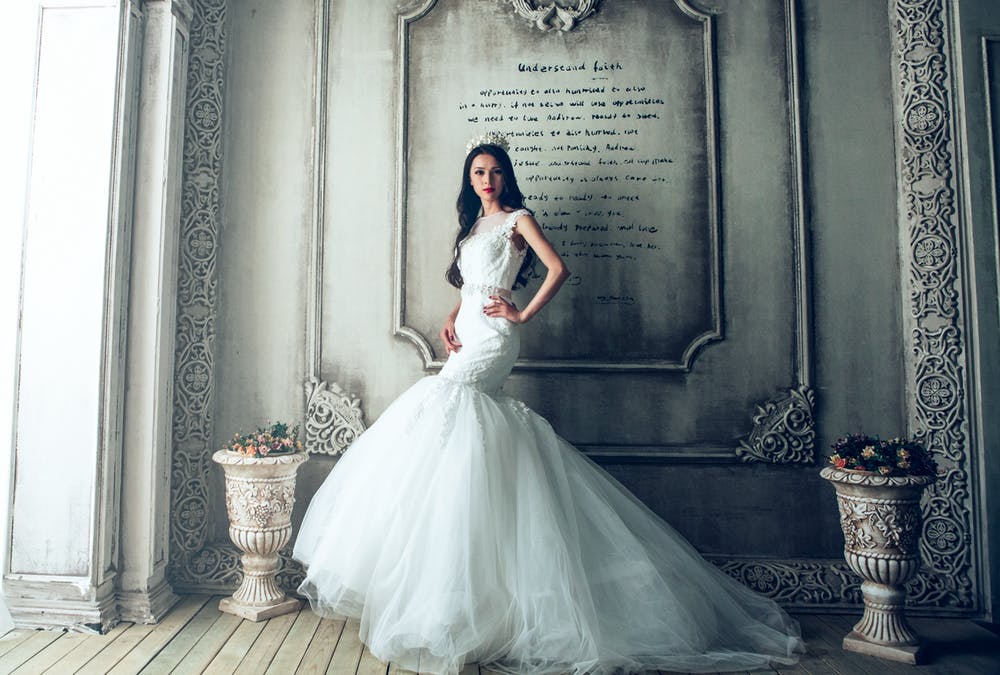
489 258
489 262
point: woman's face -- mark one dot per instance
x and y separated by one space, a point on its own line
486 177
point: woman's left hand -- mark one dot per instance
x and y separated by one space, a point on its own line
498 306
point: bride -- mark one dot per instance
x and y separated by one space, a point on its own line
460 528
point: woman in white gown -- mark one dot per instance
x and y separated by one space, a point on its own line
460 528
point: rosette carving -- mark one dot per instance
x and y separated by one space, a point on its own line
191 563
783 430
333 418
797 583
934 294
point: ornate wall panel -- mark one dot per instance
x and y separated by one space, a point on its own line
931 265
600 116
332 420
778 427
193 559
617 146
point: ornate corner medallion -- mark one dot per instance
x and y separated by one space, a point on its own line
333 418
784 430
558 15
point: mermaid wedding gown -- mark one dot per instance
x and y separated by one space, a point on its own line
460 528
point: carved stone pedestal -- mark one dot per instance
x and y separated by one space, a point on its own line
880 517
260 493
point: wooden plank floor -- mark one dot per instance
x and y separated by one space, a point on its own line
197 638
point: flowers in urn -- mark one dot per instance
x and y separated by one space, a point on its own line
260 469
275 439
879 484
895 456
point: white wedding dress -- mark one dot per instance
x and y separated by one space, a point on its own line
460 528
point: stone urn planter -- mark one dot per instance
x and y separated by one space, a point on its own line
260 493
881 519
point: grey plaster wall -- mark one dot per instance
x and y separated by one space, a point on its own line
733 509
266 202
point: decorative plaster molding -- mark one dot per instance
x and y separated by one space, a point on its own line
812 584
194 384
45 603
333 418
934 294
561 15
146 606
314 305
412 12
945 586
783 430
796 583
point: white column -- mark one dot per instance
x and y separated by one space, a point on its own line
144 593
63 547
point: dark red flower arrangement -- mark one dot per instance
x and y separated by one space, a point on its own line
900 456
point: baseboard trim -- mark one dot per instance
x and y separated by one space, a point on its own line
79 615
146 606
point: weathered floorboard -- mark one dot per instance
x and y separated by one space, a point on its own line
369 665
52 654
206 649
86 649
320 650
196 638
813 661
106 660
160 636
959 647
13 638
236 648
27 649
266 645
348 652
293 647
172 653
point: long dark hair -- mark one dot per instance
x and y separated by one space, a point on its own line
469 205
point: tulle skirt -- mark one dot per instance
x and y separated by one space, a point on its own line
460 528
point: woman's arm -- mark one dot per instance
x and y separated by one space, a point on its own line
451 343
557 273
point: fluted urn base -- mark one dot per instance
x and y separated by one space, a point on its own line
260 493
883 630
233 606
856 642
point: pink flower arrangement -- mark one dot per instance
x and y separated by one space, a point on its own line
276 439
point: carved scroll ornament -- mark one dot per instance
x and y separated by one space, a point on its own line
333 418
564 16
197 280
934 295
783 430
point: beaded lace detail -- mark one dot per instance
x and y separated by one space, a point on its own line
489 259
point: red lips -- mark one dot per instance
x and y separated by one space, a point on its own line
488 190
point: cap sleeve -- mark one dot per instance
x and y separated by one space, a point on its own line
511 223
